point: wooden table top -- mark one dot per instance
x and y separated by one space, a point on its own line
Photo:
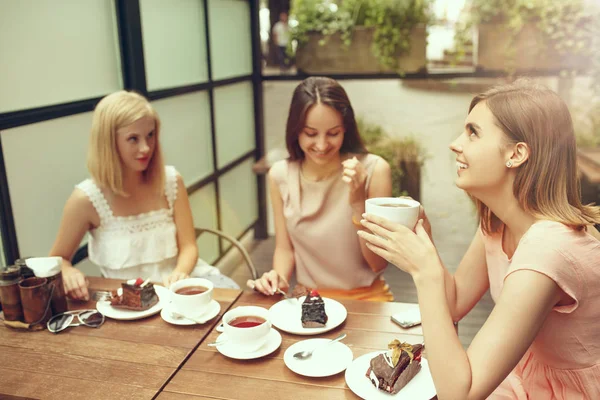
208 375
121 359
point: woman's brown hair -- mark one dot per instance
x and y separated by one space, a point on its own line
326 91
546 185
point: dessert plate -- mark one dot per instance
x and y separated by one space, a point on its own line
328 360
212 311
286 314
127 315
271 344
419 388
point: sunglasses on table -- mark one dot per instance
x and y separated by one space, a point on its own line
60 322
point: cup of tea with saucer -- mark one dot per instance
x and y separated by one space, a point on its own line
191 299
245 329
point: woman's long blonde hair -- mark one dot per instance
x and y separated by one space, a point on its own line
546 185
113 112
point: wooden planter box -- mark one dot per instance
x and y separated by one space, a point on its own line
532 53
335 58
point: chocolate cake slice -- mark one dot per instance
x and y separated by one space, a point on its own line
313 311
137 295
391 377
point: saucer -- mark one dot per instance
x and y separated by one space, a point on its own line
272 343
327 360
212 311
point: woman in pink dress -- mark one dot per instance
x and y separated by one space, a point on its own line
536 250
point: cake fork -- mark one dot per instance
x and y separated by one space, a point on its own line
101 295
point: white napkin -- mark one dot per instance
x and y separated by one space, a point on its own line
44 267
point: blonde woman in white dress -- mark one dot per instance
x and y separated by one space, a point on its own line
135 208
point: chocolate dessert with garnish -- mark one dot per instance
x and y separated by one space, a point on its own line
313 311
392 370
136 294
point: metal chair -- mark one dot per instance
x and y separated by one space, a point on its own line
236 243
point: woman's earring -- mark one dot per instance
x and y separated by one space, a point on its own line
509 164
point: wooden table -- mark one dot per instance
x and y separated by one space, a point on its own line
208 375
119 360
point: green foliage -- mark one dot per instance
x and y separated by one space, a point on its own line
398 152
392 21
569 27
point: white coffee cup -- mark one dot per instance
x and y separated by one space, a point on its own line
407 213
246 339
191 305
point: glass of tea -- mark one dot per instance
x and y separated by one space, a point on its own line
191 296
246 328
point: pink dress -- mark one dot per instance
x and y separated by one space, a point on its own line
563 361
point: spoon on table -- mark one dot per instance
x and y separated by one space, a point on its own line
303 355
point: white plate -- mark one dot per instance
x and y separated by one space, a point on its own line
419 388
328 360
272 343
286 315
212 311
127 315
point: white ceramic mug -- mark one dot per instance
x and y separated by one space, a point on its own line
191 305
407 214
246 339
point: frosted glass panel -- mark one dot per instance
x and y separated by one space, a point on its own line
204 210
234 121
238 199
185 134
174 42
44 162
56 52
230 38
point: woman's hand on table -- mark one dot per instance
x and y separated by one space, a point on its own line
75 284
412 252
173 277
268 283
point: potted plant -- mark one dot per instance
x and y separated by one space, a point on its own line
543 35
360 36
406 157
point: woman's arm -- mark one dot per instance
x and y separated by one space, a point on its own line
283 258
186 236
526 300
470 281
380 186
78 217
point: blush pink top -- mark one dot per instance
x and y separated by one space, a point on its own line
318 218
563 361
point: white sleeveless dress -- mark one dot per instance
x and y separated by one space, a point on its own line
143 245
